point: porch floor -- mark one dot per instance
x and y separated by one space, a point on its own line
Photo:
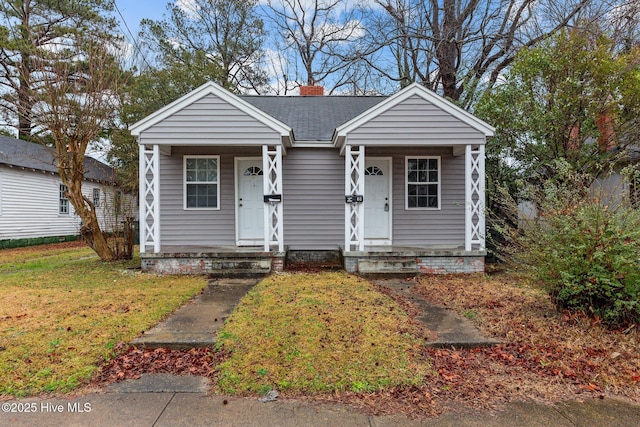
409 251
170 251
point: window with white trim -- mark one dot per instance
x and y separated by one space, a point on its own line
117 201
201 182
63 200
96 197
422 182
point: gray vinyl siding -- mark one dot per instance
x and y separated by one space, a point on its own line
199 227
313 200
444 227
313 186
209 120
415 122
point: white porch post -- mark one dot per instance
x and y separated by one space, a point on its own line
149 197
272 182
474 198
354 185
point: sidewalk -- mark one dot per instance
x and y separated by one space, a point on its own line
199 409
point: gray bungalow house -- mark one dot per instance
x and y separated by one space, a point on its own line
389 183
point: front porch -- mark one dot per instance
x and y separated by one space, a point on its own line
253 260
214 260
376 260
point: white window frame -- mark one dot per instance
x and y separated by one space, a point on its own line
406 183
96 197
184 181
64 207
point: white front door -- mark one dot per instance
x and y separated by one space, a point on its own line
377 201
250 202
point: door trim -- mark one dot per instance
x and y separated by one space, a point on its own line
236 162
388 241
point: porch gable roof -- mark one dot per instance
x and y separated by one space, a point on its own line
415 89
211 88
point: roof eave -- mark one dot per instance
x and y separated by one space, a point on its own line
211 88
341 132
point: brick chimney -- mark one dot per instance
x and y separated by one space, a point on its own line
311 91
607 138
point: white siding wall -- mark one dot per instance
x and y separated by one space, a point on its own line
29 205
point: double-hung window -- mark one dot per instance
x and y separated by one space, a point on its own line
96 197
422 182
202 182
63 201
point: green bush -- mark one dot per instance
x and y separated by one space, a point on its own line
585 253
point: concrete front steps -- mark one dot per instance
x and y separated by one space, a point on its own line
412 261
217 261
388 267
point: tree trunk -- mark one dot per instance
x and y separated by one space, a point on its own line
25 101
447 52
90 230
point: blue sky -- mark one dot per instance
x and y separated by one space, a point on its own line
133 11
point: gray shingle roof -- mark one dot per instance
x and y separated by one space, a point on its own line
313 118
29 155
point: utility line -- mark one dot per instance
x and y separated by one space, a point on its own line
133 38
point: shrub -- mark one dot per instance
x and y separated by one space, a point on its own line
584 252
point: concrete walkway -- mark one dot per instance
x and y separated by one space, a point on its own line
195 324
452 329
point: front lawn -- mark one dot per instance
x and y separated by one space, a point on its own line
307 333
62 311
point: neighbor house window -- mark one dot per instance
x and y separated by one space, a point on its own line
117 201
96 197
423 182
63 201
201 182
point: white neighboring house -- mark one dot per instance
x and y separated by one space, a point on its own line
32 200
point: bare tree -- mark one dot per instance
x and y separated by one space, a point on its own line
74 104
228 33
453 46
320 34
624 22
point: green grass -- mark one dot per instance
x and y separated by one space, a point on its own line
62 311
308 333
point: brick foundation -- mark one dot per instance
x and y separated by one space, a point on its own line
232 264
277 264
448 265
